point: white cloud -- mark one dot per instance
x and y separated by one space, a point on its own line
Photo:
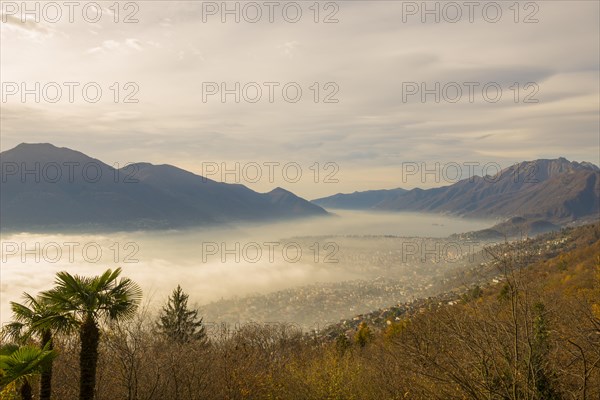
114 45
288 48
134 44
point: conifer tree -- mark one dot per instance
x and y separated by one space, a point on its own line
364 335
179 323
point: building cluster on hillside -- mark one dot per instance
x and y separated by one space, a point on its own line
381 275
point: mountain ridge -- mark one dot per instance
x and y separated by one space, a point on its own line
357 200
45 187
558 190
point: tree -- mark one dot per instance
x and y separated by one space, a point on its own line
342 343
88 300
364 335
37 318
179 323
19 366
542 377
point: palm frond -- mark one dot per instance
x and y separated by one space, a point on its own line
39 315
23 362
100 296
15 332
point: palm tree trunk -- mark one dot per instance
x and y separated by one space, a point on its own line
46 376
26 391
88 358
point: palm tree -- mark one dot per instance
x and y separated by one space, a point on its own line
17 368
88 300
37 318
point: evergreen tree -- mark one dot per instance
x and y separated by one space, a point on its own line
179 323
543 378
364 335
342 343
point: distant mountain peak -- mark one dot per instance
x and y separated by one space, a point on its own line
560 161
543 169
590 166
144 164
280 190
35 145
46 152
41 147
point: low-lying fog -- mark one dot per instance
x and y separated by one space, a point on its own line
204 261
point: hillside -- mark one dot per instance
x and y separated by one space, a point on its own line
563 260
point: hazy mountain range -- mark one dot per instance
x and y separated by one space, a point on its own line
49 188
555 190
359 200
91 194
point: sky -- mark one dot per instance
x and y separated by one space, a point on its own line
361 66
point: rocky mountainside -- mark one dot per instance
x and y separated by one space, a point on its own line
556 190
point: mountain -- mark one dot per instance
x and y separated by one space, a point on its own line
46 187
513 228
555 190
358 200
282 200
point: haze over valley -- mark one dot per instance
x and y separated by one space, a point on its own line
159 260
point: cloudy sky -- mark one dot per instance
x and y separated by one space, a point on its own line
543 56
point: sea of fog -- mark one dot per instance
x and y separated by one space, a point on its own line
210 264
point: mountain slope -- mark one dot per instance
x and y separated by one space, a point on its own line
46 187
557 190
282 199
358 200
